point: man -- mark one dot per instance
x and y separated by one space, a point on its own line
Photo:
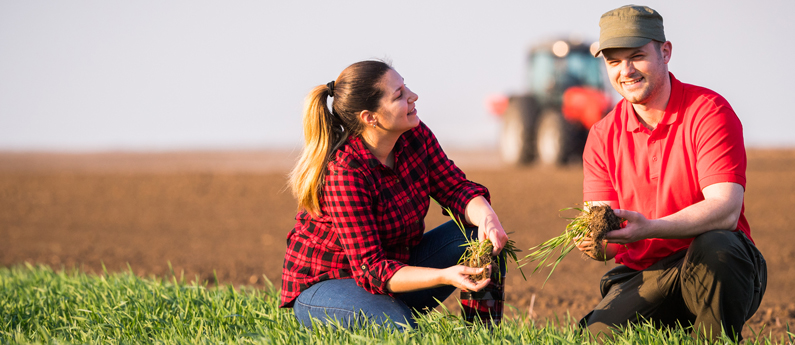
670 160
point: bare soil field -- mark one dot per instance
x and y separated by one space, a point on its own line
227 214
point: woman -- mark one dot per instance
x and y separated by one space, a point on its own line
363 185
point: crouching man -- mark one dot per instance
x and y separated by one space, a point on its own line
670 159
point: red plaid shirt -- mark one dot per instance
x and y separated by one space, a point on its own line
372 215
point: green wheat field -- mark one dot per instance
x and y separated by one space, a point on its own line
39 305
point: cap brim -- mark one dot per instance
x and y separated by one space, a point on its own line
622 42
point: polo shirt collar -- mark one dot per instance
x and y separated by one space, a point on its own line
672 110
633 124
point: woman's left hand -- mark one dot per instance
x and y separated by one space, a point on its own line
491 229
479 211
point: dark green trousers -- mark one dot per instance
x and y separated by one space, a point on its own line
714 285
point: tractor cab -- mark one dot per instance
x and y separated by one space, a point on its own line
565 95
554 69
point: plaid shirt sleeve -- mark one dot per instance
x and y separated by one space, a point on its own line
449 185
349 200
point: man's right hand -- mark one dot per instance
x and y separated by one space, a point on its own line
598 251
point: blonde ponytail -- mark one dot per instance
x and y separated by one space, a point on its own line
320 139
356 89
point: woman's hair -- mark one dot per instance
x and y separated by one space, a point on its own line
357 88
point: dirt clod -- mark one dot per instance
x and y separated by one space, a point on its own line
600 220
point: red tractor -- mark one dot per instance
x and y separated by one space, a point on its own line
567 94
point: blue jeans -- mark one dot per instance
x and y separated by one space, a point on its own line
348 303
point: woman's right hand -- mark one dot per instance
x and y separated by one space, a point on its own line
459 276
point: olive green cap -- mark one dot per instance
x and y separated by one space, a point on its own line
629 26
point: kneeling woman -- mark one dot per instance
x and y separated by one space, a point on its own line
363 184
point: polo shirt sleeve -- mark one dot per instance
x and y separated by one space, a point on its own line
449 185
349 204
719 144
596 185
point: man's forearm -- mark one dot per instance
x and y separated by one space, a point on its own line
720 210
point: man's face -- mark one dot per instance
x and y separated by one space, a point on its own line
638 74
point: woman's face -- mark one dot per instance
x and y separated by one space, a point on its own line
396 112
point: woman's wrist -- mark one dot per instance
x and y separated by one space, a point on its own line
478 210
488 218
441 278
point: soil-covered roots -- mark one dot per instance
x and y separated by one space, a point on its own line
599 221
478 255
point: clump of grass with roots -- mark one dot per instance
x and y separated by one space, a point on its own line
594 222
478 253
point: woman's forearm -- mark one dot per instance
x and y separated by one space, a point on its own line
411 278
478 210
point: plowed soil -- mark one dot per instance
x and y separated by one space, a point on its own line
226 214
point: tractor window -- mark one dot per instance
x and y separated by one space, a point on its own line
549 76
541 73
585 69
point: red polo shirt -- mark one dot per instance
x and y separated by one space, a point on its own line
699 142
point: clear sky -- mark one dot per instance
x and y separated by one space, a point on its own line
175 75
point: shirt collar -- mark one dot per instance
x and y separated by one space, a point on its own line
361 150
401 144
633 124
672 110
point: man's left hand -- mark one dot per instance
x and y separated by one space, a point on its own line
638 228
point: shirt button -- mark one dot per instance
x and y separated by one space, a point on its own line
654 159
364 267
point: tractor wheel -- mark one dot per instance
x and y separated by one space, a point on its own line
551 139
515 146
